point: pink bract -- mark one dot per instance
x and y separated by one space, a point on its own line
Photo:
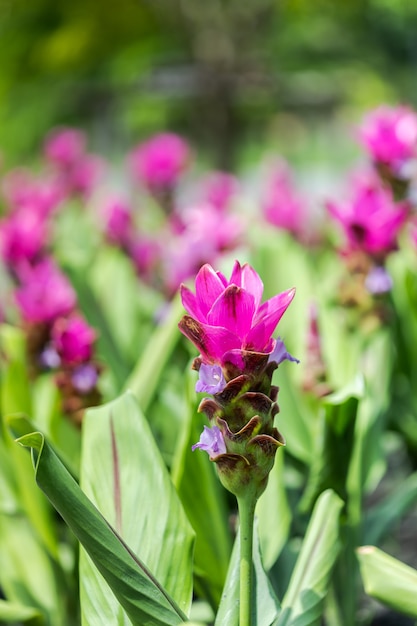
45 293
227 315
23 237
64 147
281 205
390 135
73 339
159 162
219 188
118 222
371 220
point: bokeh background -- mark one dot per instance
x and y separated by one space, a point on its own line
236 78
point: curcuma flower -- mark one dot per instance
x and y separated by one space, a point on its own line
233 329
227 319
390 136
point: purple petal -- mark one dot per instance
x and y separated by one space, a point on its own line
280 354
211 441
234 309
211 379
84 378
378 281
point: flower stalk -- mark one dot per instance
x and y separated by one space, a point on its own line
246 506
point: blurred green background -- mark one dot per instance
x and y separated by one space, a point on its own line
234 77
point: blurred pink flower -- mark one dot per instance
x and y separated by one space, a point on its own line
390 135
45 293
145 254
371 219
159 162
218 189
118 222
73 339
206 233
226 317
64 147
281 204
85 175
23 238
21 189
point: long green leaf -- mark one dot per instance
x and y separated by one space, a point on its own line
274 514
142 597
11 612
302 603
388 580
123 474
385 514
144 379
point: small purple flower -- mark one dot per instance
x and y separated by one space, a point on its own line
378 281
211 379
280 353
49 358
211 440
84 378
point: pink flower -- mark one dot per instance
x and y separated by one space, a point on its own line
73 339
226 316
159 162
200 234
118 222
85 174
21 190
390 135
281 205
219 189
23 237
45 293
371 220
64 147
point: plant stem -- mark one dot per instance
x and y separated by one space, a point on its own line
246 519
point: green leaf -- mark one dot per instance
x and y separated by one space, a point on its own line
11 612
274 514
302 603
123 474
144 379
28 575
266 604
15 383
204 500
380 519
334 443
388 580
142 597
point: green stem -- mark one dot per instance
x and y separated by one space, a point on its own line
246 519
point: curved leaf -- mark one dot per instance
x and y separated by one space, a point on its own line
144 600
302 603
388 580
